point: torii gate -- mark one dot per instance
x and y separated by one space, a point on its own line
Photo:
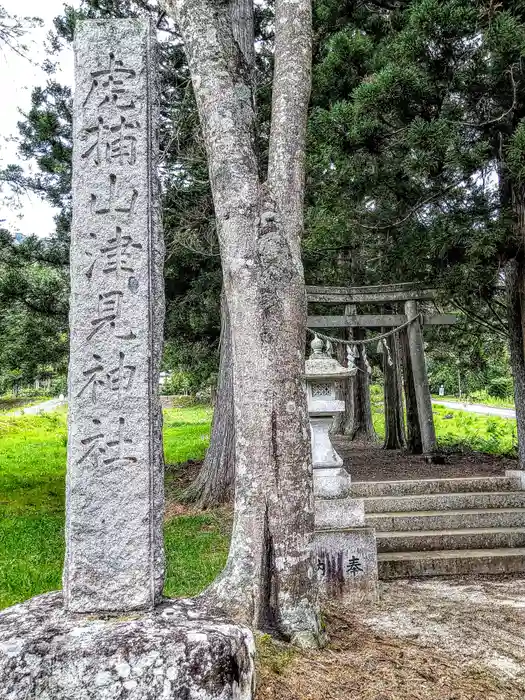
410 295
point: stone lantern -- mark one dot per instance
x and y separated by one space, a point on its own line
323 373
345 547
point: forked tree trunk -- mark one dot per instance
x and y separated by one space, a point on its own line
394 425
514 274
214 484
269 579
413 431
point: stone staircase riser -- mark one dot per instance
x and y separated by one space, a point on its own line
448 501
388 522
417 542
458 566
414 487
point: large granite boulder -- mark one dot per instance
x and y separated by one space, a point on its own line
167 654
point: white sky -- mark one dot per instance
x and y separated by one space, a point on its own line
18 77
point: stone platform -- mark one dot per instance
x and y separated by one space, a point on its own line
46 654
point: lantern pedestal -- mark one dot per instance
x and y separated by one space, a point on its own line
323 452
346 549
331 483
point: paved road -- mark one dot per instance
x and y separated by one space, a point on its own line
478 408
39 408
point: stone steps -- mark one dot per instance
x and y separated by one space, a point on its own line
435 540
451 563
445 501
446 519
415 487
446 527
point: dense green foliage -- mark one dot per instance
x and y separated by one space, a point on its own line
417 108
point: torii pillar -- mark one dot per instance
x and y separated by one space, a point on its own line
419 371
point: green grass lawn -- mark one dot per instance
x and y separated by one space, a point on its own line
459 430
32 469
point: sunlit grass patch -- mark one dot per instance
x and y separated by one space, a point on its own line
32 478
196 548
32 484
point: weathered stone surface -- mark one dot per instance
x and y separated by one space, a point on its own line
332 483
518 475
48 654
324 454
114 551
334 513
347 564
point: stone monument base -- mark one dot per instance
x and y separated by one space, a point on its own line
160 655
347 564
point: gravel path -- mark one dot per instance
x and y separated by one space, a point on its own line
43 407
478 622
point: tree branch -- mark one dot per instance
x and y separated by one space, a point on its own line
412 211
478 319
290 98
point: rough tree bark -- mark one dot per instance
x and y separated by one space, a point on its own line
269 579
214 483
413 432
360 426
394 424
356 421
421 386
514 274
344 390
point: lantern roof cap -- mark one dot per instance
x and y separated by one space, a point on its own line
321 366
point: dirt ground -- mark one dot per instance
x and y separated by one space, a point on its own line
440 639
375 464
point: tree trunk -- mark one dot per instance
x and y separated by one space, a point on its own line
215 483
269 579
344 390
413 432
514 274
241 13
394 426
360 426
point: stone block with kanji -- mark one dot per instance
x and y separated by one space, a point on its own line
347 564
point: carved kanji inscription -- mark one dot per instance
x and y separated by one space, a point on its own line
114 548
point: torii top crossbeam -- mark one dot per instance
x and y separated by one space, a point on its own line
376 294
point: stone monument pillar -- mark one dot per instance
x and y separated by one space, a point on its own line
114 498
114 551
